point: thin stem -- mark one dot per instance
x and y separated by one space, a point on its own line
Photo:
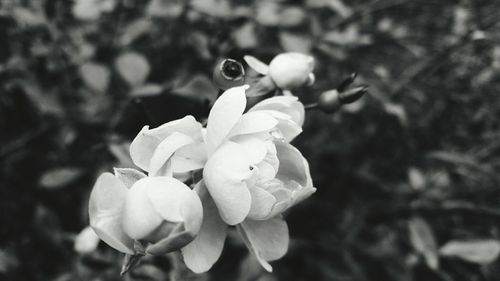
310 106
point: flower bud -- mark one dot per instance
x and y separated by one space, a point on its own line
291 70
228 73
331 101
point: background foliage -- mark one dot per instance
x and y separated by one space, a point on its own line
400 175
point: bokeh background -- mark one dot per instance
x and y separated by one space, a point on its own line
408 177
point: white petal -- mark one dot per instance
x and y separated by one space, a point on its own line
225 174
175 202
105 212
255 149
225 113
254 122
293 166
267 240
128 176
257 65
289 105
145 143
262 203
190 157
206 248
164 151
140 219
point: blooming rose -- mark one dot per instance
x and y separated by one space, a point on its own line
129 207
287 70
251 176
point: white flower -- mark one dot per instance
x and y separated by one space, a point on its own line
287 70
128 206
252 175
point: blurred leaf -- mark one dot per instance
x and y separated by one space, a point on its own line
165 8
423 241
335 5
268 13
199 87
96 76
481 251
122 154
86 241
245 37
8 261
59 177
28 18
453 158
292 16
292 42
416 178
134 30
214 8
350 36
398 111
92 9
146 90
133 67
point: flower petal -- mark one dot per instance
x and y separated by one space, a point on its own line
262 203
145 143
128 176
225 113
140 219
254 122
201 254
225 174
293 166
190 157
267 240
257 65
287 104
105 211
164 151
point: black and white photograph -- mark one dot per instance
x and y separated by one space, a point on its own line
249 140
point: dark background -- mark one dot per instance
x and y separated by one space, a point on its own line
412 166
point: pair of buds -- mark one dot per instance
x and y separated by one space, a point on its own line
231 73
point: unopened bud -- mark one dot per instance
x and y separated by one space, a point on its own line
331 101
347 81
291 70
353 94
228 73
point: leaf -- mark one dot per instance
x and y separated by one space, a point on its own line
164 8
423 241
28 18
214 8
480 251
60 177
398 111
95 76
135 30
133 68
245 37
292 42
416 178
147 90
199 87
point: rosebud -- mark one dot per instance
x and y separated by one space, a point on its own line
331 101
228 73
292 70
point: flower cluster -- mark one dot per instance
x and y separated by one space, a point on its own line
244 171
